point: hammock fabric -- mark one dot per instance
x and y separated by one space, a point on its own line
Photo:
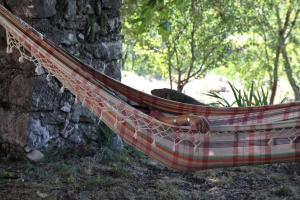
238 136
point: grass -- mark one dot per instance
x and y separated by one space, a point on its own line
283 191
97 181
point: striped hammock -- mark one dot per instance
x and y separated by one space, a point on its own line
237 136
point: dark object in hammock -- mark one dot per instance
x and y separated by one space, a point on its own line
175 96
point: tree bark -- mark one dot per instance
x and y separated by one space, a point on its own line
275 72
289 73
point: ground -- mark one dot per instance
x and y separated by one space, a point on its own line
103 173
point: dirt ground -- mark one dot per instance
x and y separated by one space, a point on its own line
90 173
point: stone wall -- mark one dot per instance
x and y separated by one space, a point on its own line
32 111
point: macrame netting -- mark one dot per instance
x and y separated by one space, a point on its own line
244 137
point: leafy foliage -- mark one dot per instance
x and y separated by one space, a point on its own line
242 98
184 40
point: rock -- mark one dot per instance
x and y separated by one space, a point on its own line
114 24
35 113
117 143
108 51
71 10
82 115
45 97
112 70
90 10
20 91
77 138
66 108
27 149
115 49
112 4
81 37
35 156
39 70
102 52
91 132
69 39
38 136
14 128
33 8
42 195
53 118
98 8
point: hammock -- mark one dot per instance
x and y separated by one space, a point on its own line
238 136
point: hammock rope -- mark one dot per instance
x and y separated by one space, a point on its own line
237 137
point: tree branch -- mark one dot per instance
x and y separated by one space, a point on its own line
293 23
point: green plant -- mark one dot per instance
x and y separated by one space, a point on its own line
242 98
107 135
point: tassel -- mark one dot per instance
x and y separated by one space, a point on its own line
48 78
270 142
100 118
174 147
83 101
195 149
135 134
21 59
153 142
116 124
9 50
38 70
76 100
62 89
292 139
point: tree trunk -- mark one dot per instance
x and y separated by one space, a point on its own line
289 73
275 72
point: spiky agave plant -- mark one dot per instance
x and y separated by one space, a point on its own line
243 98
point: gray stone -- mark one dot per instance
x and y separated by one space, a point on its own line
82 115
53 118
108 51
90 10
101 52
81 37
27 149
98 8
14 128
71 10
90 131
33 8
118 143
77 138
69 130
38 136
69 39
97 28
42 195
115 49
66 108
114 24
35 156
44 96
111 69
39 70
112 4
20 91
36 115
